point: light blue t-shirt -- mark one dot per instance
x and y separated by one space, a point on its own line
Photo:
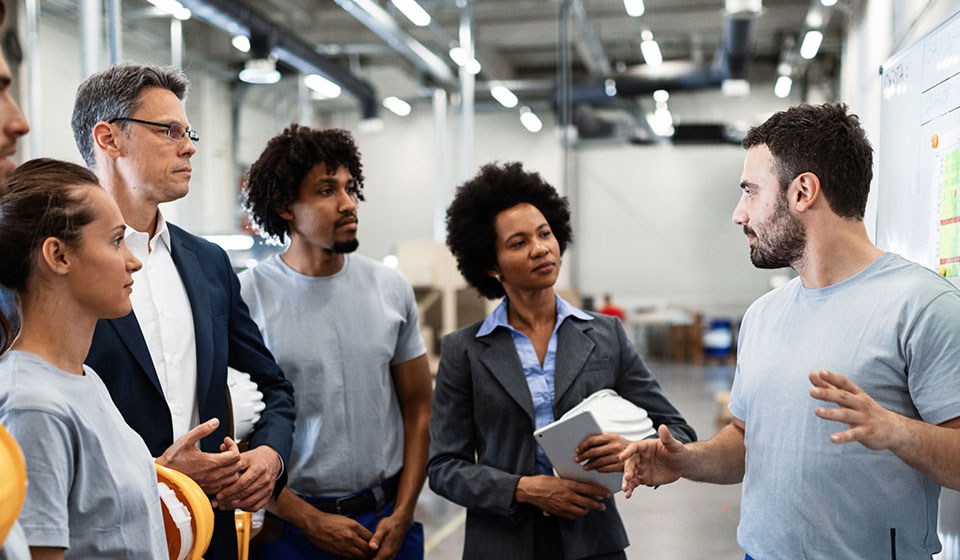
894 330
14 547
539 378
91 483
335 337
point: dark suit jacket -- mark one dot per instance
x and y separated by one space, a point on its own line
481 431
225 335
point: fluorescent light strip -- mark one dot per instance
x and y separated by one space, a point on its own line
397 106
782 87
503 94
324 88
530 120
634 7
651 52
241 43
173 8
414 12
811 44
459 56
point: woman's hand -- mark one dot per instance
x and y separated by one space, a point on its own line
602 453
564 498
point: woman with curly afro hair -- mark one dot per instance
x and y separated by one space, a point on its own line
529 362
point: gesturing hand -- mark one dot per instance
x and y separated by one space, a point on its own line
872 425
340 535
602 452
557 496
212 471
652 461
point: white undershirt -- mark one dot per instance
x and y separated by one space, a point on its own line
163 310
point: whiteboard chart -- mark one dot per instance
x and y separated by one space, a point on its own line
918 192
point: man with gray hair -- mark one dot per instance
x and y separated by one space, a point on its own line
165 364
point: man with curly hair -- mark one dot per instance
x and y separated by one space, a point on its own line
844 465
345 330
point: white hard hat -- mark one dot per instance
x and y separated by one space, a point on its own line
244 404
616 415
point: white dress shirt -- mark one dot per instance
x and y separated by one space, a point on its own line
163 311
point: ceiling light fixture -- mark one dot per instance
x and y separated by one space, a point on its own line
634 8
397 106
260 71
661 96
322 87
828 3
173 8
782 87
530 120
650 49
503 94
811 44
241 43
459 56
414 12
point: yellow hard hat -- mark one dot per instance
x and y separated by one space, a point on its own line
12 488
187 515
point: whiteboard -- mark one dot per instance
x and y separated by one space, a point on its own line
918 182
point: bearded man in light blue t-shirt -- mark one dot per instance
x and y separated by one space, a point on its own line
846 400
345 330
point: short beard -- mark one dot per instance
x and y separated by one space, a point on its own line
344 247
786 238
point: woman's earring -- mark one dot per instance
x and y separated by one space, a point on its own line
499 277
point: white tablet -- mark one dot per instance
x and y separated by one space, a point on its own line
559 441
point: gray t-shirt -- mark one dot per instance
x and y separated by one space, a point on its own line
91 483
894 330
14 547
335 337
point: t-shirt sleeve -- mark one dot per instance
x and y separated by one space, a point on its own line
738 399
48 449
932 352
409 342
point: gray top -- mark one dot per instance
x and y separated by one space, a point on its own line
335 337
14 547
894 330
91 483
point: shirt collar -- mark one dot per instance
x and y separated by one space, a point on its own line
161 233
498 318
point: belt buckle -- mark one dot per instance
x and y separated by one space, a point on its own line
339 501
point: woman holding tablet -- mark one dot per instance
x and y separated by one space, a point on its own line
532 359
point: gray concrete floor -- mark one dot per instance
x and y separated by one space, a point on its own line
681 521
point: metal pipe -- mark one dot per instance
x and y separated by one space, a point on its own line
304 103
467 83
440 155
114 31
90 16
31 63
176 42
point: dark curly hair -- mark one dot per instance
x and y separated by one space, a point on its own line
273 181
471 236
827 141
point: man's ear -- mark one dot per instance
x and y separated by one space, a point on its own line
108 139
285 213
54 256
807 190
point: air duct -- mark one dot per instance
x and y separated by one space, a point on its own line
233 17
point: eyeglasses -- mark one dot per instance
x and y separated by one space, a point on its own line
174 130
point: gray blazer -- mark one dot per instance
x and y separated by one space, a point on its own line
481 431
